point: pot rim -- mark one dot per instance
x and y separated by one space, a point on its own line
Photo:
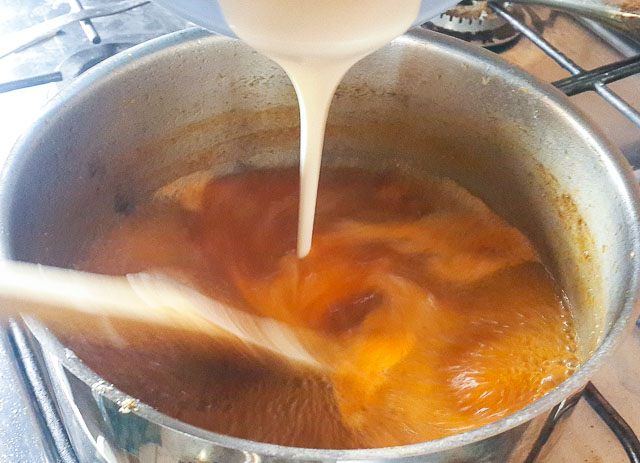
614 162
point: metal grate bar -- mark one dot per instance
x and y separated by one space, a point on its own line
537 39
52 426
605 411
549 425
587 80
87 26
30 82
25 38
624 44
616 423
611 97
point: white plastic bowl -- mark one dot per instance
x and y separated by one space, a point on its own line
208 14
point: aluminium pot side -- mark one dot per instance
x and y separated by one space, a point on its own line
426 104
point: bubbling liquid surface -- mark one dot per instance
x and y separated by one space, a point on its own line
438 316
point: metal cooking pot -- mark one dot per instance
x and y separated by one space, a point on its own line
426 104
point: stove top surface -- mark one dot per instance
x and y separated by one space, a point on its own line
584 437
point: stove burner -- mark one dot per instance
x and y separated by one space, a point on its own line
473 21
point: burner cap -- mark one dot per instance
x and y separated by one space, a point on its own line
473 21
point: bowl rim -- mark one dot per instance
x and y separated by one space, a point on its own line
615 163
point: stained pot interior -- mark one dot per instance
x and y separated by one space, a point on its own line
215 104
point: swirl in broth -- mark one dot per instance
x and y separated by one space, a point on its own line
443 314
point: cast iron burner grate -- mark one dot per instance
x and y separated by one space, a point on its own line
580 81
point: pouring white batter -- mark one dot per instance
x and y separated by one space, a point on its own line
316 42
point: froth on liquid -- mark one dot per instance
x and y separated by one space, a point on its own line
437 315
316 42
443 317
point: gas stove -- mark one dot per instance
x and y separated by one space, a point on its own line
553 46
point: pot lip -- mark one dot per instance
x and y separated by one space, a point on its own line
612 158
